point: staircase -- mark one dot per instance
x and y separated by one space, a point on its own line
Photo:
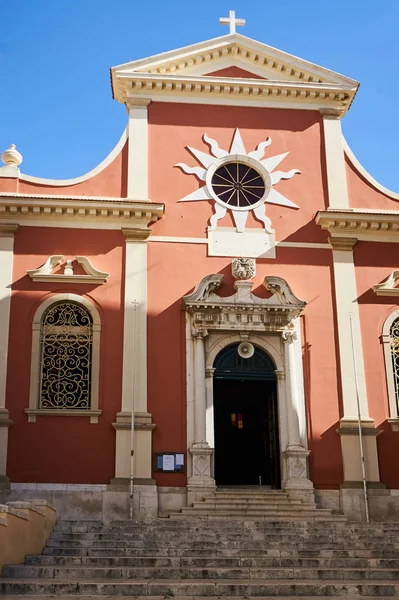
253 504
211 558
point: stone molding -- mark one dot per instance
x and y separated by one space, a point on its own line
389 369
5 420
33 411
360 224
245 311
136 235
184 74
142 421
44 273
342 244
8 229
55 208
388 287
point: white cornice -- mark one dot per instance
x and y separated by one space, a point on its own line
286 76
221 88
122 212
361 224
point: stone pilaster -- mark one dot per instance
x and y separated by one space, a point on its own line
7 231
295 454
201 480
353 380
134 371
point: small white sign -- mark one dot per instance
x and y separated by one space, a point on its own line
179 460
251 243
168 462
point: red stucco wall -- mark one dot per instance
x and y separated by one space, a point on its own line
64 449
374 262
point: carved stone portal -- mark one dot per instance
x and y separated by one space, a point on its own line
244 314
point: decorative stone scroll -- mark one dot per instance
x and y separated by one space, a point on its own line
45 272
243 310
389 286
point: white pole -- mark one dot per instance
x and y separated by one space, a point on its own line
135 305
359 417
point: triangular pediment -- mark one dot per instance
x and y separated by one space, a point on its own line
211 65
234 49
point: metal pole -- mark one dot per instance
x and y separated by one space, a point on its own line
135 305
366 499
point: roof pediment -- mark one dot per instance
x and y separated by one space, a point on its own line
190 68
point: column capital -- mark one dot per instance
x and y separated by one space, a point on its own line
289 337
343 244
8 229
133 234
332 113
199 333
209 372
280 374
137 102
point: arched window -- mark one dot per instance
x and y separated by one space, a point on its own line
65 358
66 340
390 338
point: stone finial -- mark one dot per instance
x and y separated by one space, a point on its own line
243 268
11 157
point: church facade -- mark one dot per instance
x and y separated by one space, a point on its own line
220 294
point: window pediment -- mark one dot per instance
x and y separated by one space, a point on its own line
45 272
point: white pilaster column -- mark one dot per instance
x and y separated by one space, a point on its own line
295 454
210 429
134 369
137 181
6 261
335 160
199 386
200 451
350 344
294 439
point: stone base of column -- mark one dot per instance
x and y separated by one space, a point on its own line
5 423
4 483
200 483
297 483
143 428
351 455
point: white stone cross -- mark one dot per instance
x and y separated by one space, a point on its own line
232 21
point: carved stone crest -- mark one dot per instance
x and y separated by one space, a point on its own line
243 268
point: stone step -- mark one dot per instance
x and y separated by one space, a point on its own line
164 525
206 562
315 551
79 538
180 573
80 597
225 513
217 588
235 552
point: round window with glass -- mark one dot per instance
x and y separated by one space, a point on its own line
240 186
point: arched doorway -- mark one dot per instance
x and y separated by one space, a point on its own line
245 420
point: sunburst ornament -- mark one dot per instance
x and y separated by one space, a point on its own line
238 181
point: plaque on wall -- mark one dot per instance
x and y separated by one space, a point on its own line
169 462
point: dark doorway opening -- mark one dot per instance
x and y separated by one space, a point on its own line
246 420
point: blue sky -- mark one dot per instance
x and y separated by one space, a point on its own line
56 103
